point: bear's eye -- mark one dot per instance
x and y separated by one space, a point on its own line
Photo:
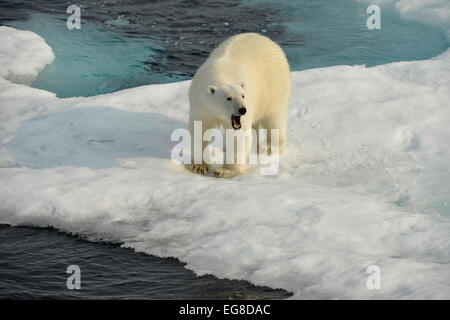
229 98
243 96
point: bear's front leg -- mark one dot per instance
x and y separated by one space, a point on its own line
200 168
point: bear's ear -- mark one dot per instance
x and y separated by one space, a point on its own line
212 89
243 85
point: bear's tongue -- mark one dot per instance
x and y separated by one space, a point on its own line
236 122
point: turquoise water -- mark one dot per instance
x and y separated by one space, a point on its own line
323 33
92 60
160 43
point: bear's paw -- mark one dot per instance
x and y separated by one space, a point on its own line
225 173
199 168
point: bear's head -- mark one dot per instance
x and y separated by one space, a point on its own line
229 101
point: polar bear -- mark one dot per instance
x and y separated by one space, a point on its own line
245 83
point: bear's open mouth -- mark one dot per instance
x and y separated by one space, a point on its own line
236 122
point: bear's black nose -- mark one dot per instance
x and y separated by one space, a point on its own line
242 111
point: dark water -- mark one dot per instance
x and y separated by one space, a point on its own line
187 30
33 264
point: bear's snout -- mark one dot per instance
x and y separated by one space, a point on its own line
242 110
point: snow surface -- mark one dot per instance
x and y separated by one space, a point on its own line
363 181
22 55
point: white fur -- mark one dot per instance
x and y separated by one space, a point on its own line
247 64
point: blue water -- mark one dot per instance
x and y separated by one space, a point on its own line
131 43
128 43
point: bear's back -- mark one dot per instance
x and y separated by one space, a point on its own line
248 58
